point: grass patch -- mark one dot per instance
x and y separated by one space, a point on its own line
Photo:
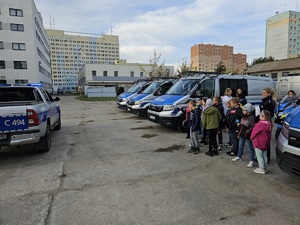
85 98
148 135
170 149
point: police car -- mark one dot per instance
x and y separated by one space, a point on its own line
27 116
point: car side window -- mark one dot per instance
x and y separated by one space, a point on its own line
206 88
49 96
45 95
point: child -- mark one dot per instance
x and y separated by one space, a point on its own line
211 122
261 136
187 111
233 117
245 128
217 104
204 133
201 109
194 117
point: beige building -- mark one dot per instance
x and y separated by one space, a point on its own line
206 57
282 35
71 50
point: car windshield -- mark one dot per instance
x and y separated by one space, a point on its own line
133 86
182 87
136 88
151 88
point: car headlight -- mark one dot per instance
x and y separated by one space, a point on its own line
138 102
168 107
285 130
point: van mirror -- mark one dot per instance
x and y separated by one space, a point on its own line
56 99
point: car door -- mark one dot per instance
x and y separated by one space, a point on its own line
52 110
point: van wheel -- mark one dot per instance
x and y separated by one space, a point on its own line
58 126
146 115
277 132
44 144
180 125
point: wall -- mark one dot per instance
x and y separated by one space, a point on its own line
101 92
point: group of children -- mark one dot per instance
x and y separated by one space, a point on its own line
208 118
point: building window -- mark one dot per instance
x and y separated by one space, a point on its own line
105 73
132 73
94 73
115 73
1 45
21 81
18 46
16 12
20 65
16 27
2 64
141 74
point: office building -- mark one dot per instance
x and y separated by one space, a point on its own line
24 45
282 35
71 50
206 57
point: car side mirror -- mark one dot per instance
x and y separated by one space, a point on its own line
56 99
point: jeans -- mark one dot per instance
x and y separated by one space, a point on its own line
242 141
234 141
212 140
261 158
194 138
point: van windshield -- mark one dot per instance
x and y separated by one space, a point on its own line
151 88
133 86
136 88
182 87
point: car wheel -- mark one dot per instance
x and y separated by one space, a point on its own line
44 144
58 126
180 125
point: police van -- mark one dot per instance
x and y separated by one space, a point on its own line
166 109
27 116
135 89
288 144
139 103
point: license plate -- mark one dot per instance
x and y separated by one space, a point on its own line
3 136
152 117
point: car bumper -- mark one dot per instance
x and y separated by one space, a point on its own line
122 105
164 118
23 138
287 157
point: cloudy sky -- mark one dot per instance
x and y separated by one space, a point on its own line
169 27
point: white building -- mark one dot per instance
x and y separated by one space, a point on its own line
120 73
24 45
282 35
71 50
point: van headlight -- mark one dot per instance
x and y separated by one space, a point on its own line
138 102
285 130
168 107
125 99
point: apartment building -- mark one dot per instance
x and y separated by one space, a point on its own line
206 57
24 45
71 50
283 35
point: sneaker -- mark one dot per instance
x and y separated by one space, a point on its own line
205 143
209 154
196 151
237 159
260 171
220 148
215 152
228 145
190 151
229 153
250 164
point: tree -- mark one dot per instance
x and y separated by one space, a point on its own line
221 68
262 60
184 66
158 68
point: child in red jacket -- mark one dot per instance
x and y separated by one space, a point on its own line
261 137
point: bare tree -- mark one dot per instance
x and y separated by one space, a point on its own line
158 68
184 66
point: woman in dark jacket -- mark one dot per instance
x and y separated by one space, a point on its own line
241 96
268 103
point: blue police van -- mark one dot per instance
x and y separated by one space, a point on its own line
139 104
135 89
166 109
288 144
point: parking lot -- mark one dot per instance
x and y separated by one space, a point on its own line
107 166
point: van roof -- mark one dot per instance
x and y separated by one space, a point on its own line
228 76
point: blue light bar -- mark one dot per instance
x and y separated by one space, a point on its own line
35 85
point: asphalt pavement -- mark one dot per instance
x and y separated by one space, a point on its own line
107 166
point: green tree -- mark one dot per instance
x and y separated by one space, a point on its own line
221 68
261 60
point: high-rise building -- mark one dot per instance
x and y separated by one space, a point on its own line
206 57
71 50
282 35
24 45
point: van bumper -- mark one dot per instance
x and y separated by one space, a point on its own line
134 109
287 160
122 105
164 118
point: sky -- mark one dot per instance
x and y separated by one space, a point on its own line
169 27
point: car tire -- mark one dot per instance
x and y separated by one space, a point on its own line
44 143
146 115
180 126
58 126
277 132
